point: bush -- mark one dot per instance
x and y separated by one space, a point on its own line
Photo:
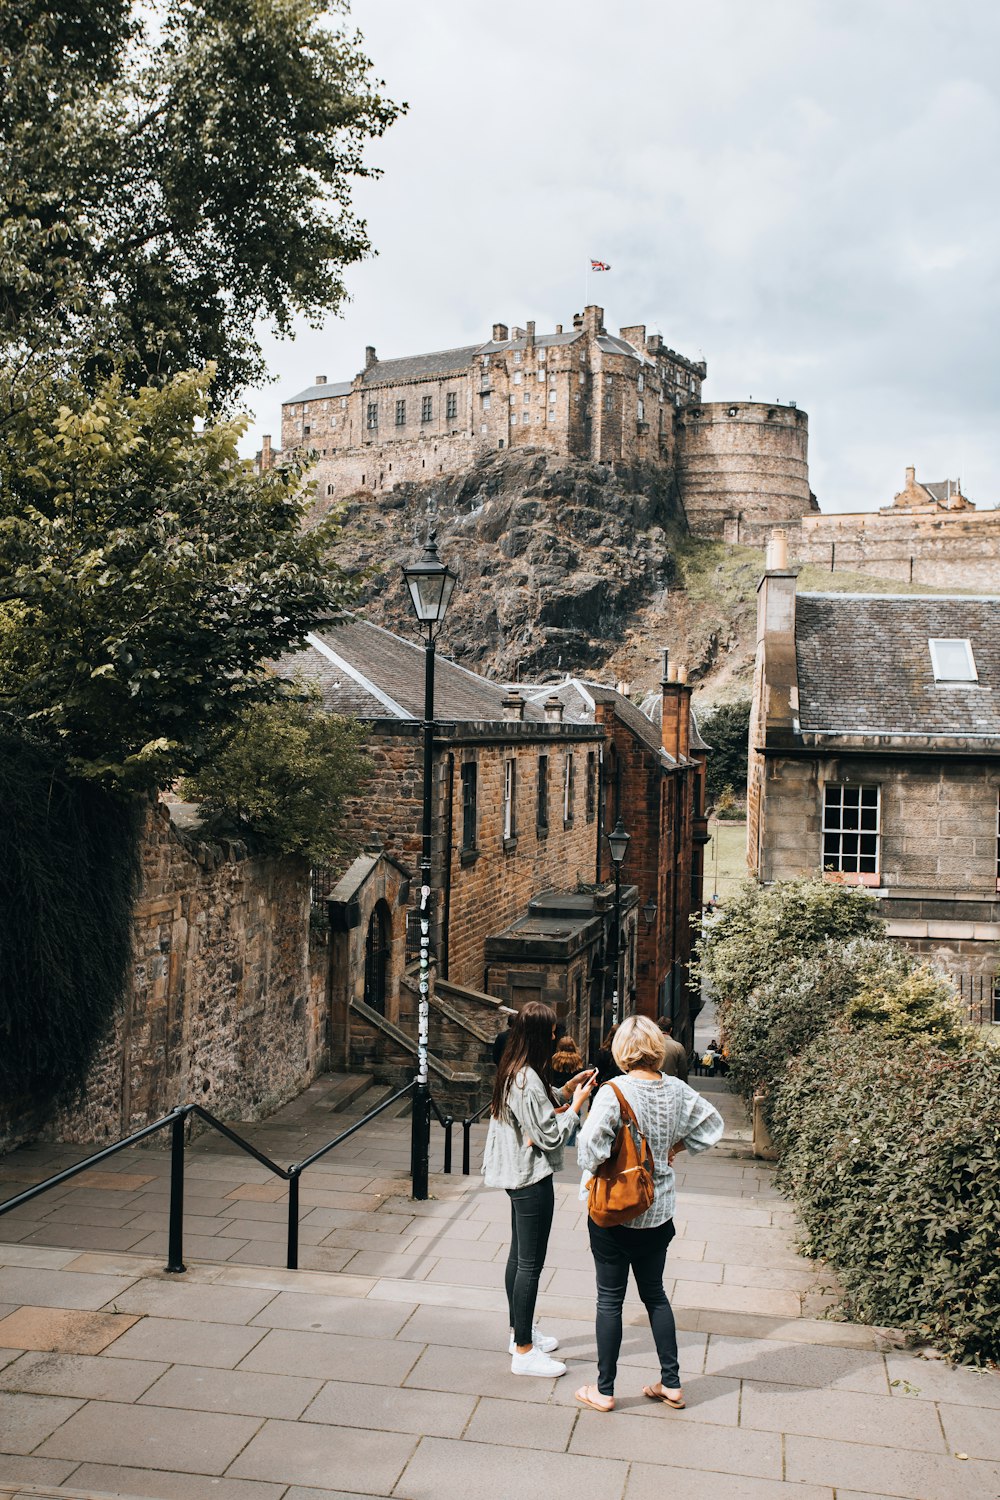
727 730
282 777
892 1154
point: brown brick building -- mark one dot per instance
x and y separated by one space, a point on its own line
525 783
875 758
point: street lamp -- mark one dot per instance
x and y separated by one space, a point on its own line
618 842
430 582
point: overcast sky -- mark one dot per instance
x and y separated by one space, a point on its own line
801 192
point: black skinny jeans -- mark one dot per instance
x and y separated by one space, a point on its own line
531 1210
643 1251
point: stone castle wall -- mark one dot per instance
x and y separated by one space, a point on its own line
947 550
220 1011
743 463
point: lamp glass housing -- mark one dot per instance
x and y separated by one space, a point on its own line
618 842
649 912
430 582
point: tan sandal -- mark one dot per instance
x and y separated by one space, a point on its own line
584 1399
661 1395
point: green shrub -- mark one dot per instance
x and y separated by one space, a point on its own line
727 730
892 1154
918 1000
282 777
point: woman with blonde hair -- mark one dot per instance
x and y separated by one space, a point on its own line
672 1118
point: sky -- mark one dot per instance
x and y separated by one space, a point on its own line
801 192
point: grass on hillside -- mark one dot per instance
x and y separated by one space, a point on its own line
727 575
725 859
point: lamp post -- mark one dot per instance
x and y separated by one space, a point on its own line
430 582
618 842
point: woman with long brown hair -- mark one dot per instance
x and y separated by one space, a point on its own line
524 1147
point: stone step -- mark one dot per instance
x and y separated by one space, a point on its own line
347 1089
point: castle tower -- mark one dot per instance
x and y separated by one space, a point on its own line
744 463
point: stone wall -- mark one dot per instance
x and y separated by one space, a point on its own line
947 550
221 1011
743 463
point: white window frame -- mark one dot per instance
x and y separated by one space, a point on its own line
937 659
510 799
844 865
568 788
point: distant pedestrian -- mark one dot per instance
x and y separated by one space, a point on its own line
566 1061
529 1125
501 1040
671 1117
607 1068
675 1058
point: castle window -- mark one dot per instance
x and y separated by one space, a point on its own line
486 361
607 403
581 377
426 408
517 377
513 419
527 397
451 405
372 415
607 380
306 431
541 356
641 382
552 414
539 374
576 398
851 829
343 403
330 489
400 413
552 380
552 397
952 660
483 429
641 411
513 398
517 356
487 401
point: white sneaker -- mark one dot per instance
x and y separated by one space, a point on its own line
540 1340
536 1363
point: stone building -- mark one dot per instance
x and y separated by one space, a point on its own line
743 467
525 783
875 758
930 534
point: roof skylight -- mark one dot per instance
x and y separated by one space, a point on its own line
953 661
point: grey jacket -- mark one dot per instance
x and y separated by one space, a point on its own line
508 1162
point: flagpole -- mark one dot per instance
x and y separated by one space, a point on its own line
586 285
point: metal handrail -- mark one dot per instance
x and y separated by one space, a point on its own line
446 1122
467 1125
176 1120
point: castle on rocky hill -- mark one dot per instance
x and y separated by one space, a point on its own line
578 393
739 468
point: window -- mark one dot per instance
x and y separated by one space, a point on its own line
641 382
607 380
400 413
470 811
641 411
591 787
552 397
851 829
541 356
513 398
542 815
451 405
607 403
568 788
509 799
486 361
426 408
518 377
377 958
517 356
372 415
952 660
513 419
552 380
306 430
527 398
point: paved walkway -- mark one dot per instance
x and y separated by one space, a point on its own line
385 1374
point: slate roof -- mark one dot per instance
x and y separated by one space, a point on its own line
365 671
413 366
542 341
578 696
942 490
318 392
864 666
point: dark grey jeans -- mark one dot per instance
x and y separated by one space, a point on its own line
531 1210
643 1251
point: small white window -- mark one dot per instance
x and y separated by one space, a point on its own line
552 397
513 419
552 414
641 382
486 361
343 403
487 402
513 398
641 412
552 380
509 795
527 398
518 377
539 374
541 356
483 429
581 377
953 661
517 356
607 380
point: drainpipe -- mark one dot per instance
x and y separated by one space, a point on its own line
448 850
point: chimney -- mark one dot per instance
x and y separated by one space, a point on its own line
676 716
593 319
500 333
578 320
513 706
776 674
558 328
321 379
777 549
517 333
266 457
911 474
370 357
531 335
553 709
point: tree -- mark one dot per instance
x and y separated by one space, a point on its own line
726 729
281 775
146 576
173 173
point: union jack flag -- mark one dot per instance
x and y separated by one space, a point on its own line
600 265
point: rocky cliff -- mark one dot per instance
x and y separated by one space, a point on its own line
556 558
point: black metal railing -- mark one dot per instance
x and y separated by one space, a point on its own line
176 1123
467 1125
980 994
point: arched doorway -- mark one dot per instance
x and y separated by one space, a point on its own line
377 945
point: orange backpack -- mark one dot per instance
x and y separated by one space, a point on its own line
622 1187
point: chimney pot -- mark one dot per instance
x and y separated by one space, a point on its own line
777 550
370 358
321 380
682 674
672 673
531 333
558 328
513 706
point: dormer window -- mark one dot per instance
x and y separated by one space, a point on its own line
953 661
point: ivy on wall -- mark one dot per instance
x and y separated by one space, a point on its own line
68 878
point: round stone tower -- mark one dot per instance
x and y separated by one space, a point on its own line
742 467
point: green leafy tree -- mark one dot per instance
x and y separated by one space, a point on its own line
727 729
174 173
281 775
146 576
